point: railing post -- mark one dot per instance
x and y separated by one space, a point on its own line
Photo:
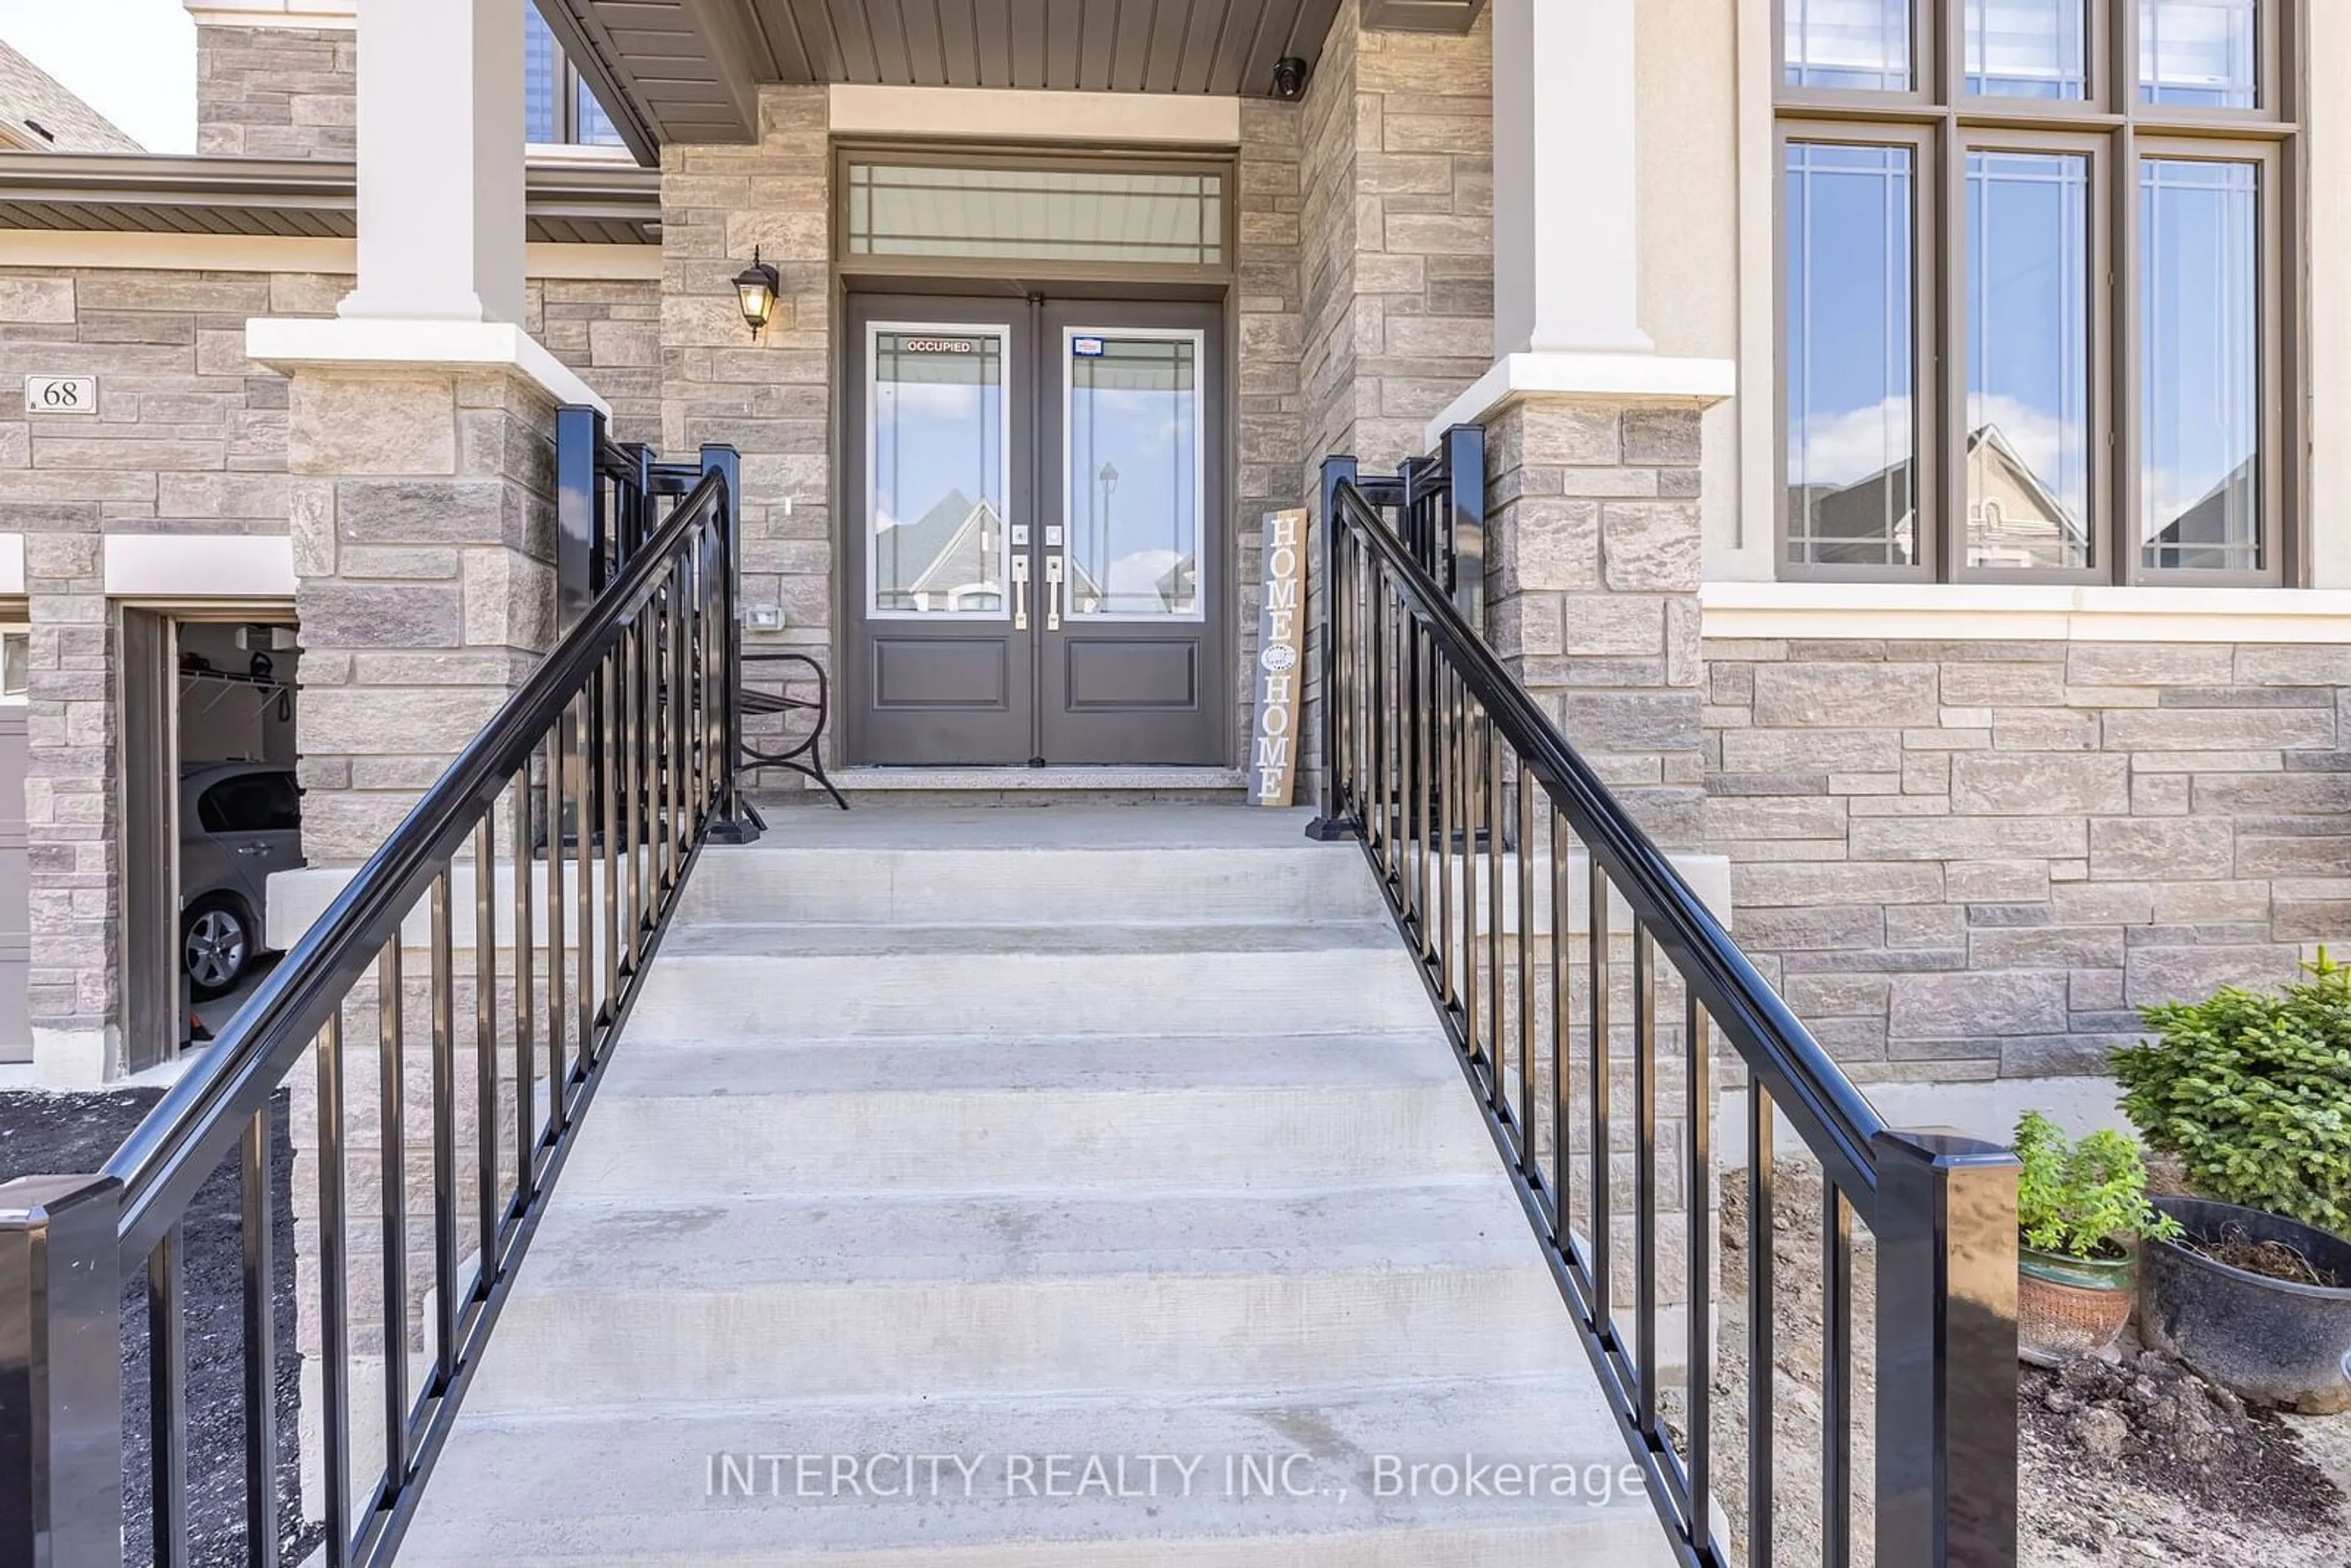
1329 824
1464 453
737 821
579 531
60 1373
1945 1226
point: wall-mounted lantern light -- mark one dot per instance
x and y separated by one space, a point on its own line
755 289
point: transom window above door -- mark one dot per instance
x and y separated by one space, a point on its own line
2036 316
966 213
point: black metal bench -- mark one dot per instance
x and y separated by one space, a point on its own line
801 754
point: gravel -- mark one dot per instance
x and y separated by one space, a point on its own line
67 1133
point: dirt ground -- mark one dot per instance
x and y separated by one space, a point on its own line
2136 1462
70 1133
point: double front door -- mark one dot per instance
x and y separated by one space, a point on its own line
1037 542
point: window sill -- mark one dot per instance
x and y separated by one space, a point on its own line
2026 612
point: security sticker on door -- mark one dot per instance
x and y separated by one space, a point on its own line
1086 348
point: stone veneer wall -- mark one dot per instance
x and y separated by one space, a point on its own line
772 400
1396 253
277 92
1974 860
1269 398
1398 241
190 437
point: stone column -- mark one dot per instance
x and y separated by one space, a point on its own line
421 427
424 523
1592 588
1593 440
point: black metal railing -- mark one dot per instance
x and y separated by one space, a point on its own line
1539 913
1435 507
578 811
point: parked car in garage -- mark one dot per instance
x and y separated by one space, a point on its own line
239 821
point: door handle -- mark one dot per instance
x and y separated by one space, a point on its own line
1053 592
1019 593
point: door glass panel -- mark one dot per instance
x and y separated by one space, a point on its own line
2200 365
935 512
2028 439
1133 482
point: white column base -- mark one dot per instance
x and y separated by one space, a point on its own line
291 343
1618 378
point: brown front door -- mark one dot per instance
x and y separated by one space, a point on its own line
1036 541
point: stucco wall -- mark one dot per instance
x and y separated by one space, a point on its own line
1973 859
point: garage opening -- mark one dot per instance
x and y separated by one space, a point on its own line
211 812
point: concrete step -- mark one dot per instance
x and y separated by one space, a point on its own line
833 1295
680 1119
1342 1477
827 981
1036 886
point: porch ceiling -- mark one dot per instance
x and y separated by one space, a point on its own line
690 71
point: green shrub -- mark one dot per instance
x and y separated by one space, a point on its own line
2077 1199
2253 1093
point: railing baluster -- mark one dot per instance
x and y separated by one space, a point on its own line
1762 1469
1603 1111
1449 822
1529 1159
391 1146
1490 794
1473 810
485 1053
444 1138
641 784
1836 1379
583 837
1698 1198
558 1113
612 680
526 1047
1423 776
1645 1169
1562 910
259 1253
167 1394
334 1295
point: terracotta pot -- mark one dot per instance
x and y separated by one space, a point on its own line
2070 1306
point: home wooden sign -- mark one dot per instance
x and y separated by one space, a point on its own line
1280 662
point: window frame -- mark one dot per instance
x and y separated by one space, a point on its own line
1944 122
568 85
1926 419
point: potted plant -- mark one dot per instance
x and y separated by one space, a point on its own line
2081 1209
2252 1092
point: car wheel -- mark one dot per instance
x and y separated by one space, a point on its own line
216 946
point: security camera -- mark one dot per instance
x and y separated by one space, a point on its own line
1289 77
